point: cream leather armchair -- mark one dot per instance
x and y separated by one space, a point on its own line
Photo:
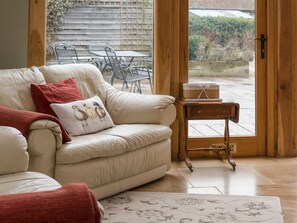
15 179
14 160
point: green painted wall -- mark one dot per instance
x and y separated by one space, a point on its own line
13 33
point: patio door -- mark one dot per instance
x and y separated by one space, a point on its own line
227 46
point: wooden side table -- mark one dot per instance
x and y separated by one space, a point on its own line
194 110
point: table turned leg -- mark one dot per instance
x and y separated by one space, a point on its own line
186 126
187 160
227 144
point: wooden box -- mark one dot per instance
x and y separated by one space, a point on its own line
201 91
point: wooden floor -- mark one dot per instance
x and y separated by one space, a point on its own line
253 176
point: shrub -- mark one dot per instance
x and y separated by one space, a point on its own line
194 41
222 29
234 33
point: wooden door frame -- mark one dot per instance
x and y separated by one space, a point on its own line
170 53
37 33
286 78
272 51
179 18
172 78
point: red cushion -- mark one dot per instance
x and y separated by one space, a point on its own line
60 92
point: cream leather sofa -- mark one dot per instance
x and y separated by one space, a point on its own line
14 160
136 151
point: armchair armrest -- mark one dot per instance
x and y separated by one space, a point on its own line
22 120
13 149
45 137
43 133
51 126
126 108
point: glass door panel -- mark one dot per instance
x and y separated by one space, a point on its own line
223 51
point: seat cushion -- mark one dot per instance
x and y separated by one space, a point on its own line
26 182
86 147
103 171
140 135
111 142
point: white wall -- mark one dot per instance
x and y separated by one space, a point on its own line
13 33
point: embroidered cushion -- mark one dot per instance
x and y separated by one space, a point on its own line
83 116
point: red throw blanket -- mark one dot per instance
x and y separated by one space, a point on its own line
22 119
73 203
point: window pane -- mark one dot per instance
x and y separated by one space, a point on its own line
222 51
91 25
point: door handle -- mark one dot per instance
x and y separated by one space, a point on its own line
262 39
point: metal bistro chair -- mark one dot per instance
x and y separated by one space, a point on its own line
67 54
102 61
142 70
130 74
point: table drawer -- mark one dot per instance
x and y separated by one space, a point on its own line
213 111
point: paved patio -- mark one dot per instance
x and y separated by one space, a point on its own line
240 90
234 89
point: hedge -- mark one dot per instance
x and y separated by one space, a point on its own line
218 28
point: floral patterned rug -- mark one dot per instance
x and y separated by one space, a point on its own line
148 207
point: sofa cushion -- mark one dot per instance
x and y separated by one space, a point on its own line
86 147
83 116
111 142
15 87
103 171
60 92
88 78
140 135
26 182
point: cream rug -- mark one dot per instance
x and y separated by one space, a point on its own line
149 207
